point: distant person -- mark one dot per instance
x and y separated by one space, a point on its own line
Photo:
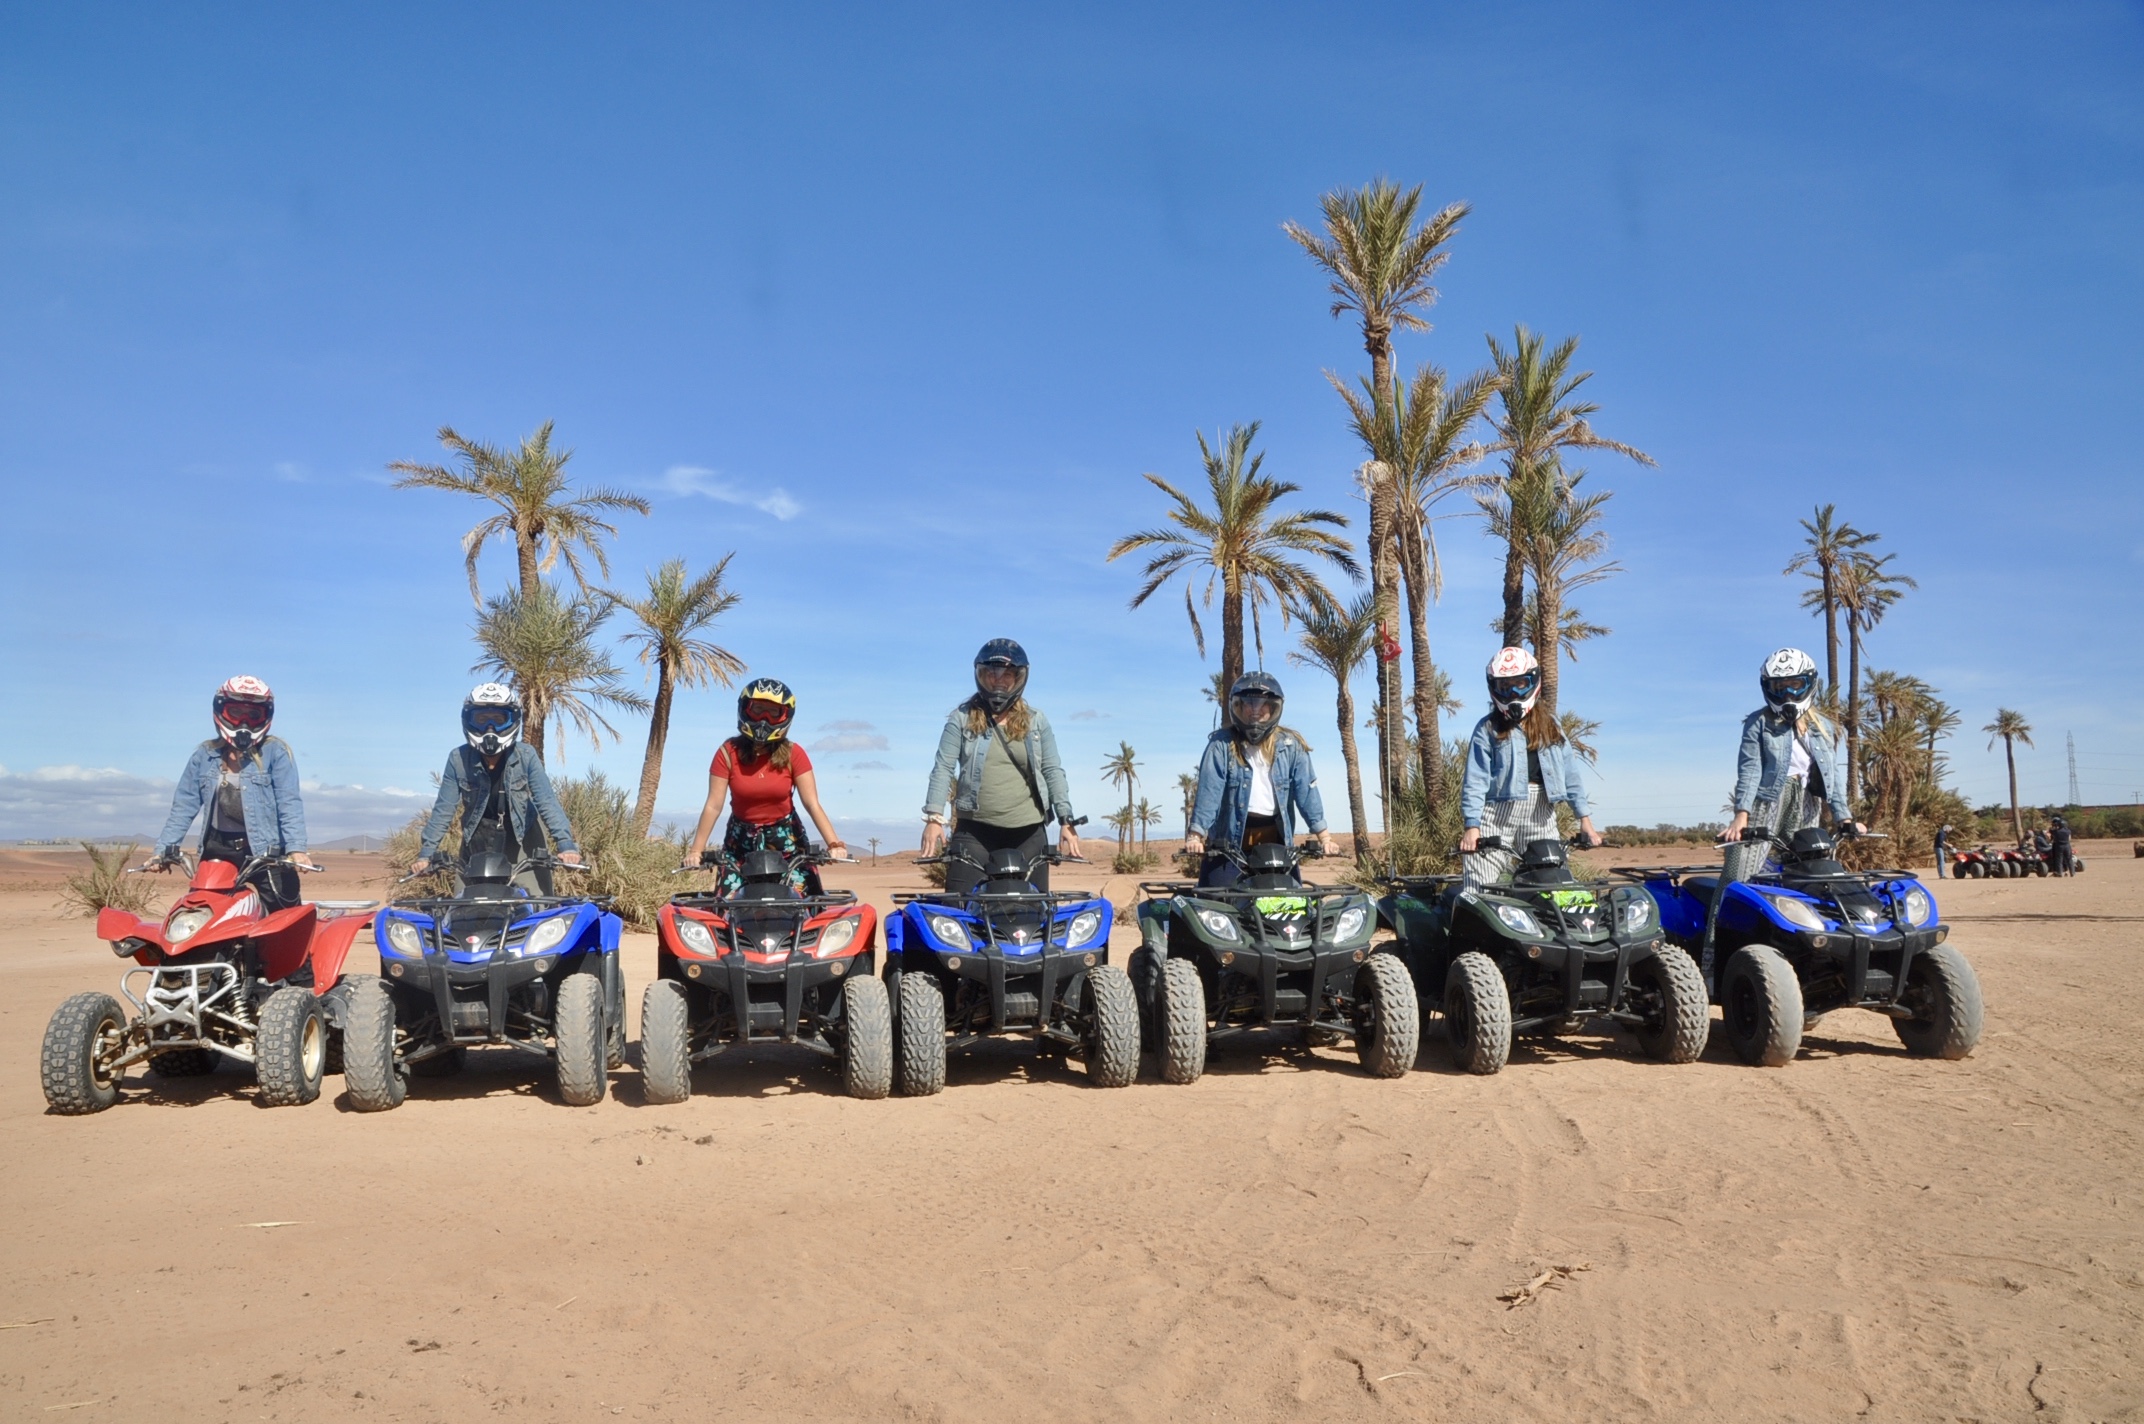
997 761
1253 777
2061 861
505 795
763 775
1943 852
247 782
1518 768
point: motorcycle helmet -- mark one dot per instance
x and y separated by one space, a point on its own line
1000 674
1514 682
1789 682
491 718
243 709
1254 705
764 711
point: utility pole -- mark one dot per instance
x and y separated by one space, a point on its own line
2075 800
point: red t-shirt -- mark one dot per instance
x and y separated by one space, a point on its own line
759 792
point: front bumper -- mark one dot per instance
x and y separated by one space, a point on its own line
767 1019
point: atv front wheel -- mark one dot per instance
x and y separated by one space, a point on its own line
1112 1028
1477 1014
370 1074
1677 1033
919 1028
1944 994
1388 1024
579 1031
85 1035
1761 1003
1183 1036
614 1012
183 1062
867 1037
665 1043
290 1048
1145 971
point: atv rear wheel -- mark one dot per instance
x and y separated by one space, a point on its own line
1145 971
1678 1033
1761 1004
1944 994
579 1033
1477 1014
1388 1024
85 1035
290 1048
867 1037
370 1074
183 1062
665 1043
919 1028
1112 1029
1183 1026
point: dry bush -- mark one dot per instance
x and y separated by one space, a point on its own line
1417 843
106 884
1133 862
631 870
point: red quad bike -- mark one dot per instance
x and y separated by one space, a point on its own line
216 975
766 965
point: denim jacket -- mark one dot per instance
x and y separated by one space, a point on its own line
964 751
267 785
467 783
1496 771
1768 753
1224 798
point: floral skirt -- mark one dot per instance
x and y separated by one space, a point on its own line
787 836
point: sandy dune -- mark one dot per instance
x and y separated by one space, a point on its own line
1858 1235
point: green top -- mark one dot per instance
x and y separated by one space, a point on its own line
1005 797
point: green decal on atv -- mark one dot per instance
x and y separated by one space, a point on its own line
1282 905
1574 899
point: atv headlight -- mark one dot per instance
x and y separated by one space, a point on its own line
1350 924
1915 908
949 931
1083 928
1799 913
837 936
1218 925
185 924
1518 919
694 936
547 935
405 939
1636 914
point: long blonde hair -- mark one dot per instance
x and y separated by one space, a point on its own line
1236 741
1014 719
1541 729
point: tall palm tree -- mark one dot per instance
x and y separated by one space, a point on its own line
1866 589
671 614
529 486
1337 640
1538 417
1897 764
1938 720
1830 545
2012 728
1187 783
1148 815
1245 545
545 646
1556 530
1122 769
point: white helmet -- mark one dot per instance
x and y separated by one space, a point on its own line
1788 678
243 708
1514 682
491 718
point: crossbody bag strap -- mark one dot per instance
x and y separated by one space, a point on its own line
1026 772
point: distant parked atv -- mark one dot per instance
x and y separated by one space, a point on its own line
1806 936
1975 864
1269 952
1003 958
766 965
218 975
490 965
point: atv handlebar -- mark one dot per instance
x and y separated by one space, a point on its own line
1577 842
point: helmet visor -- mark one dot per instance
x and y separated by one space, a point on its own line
490 719
252 715
997 675
1798 688
767 712
1514 689
1254 709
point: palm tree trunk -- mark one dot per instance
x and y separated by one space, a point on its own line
2017 824
1548 639
1124 842
1853 708
535 711
1429 743
1514 593
525 551
1231 637
1384 580
1831 634
651 763
1348 756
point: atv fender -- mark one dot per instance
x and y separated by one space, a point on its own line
285 938
1154 918
332 940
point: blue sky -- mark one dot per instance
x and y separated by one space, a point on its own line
899 302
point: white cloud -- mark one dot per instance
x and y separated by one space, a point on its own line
849 735
693 479
1088 714
869 766
65 801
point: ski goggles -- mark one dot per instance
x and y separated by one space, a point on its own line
490 719
1514 689
1789 689
768 713
253 716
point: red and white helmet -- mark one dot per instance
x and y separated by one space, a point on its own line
243 709
1788 678
1514 682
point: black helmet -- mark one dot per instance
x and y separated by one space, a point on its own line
1254 705
996 658
764 711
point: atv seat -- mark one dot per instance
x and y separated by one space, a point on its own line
1702 886
1545 862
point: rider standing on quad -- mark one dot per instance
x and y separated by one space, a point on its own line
997 759
248 783
769 774
1253 777
499 782
1518 768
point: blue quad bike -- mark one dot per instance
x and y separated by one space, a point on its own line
1006 958
1545 954
1269 952
490 964
1806 935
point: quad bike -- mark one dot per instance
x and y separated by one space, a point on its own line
1972 864
1546 954
218 975
1806 936
1269 952
765 965
489 964
1002 958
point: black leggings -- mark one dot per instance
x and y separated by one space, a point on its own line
976 839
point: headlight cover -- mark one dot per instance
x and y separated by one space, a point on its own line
405 939
1795 912
1083 928
1519 919
1636 913
1916 908
547 935
950 931
694 936
185 924
1350 924
838 936
1218 925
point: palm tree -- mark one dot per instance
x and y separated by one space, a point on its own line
670 615
1188 783
1337 640
1580 732
2012 728
1538 418
1555 530
1866 589
1897 764
1830 545
1122 769
546 647
1247 548
1938 720
529 486
1147 815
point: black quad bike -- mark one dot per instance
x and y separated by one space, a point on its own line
1003 958
1269 952
766 965
1546 954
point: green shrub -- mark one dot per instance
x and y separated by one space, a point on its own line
632 870
106 884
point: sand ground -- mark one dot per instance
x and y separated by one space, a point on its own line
1857 1235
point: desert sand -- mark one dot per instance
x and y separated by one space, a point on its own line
1858 1235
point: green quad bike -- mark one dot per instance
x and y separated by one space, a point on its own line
1545 954
1268 952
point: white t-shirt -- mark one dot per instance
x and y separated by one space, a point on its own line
1262 802
1798 760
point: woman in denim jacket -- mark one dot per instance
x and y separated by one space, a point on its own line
1254 776
247 782
498 782
997 760
1518 767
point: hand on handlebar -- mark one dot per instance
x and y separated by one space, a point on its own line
1195 845
1733 831
1068 843
1469 839
933 837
